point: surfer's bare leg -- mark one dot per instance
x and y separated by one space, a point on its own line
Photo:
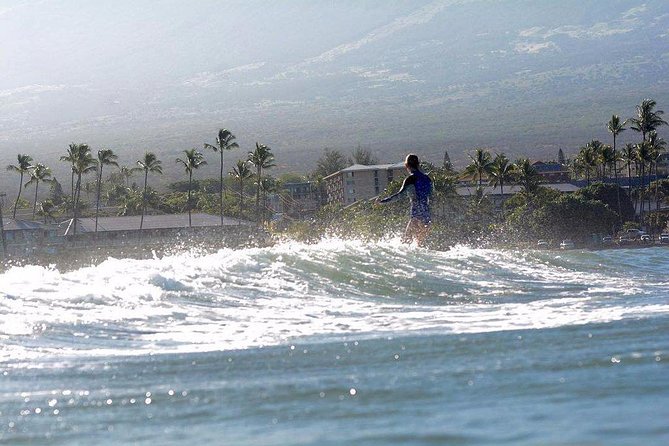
422 231
416 230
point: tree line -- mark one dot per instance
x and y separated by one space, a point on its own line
594 161
83 162
602 207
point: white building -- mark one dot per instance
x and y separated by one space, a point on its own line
359 182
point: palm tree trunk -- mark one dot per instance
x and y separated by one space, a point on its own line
190 181
18 197
657 192
77 194
642 176
241 201
650 177
141 221
72 181
97 201
615 174
221 191
501 191
35 201
258 194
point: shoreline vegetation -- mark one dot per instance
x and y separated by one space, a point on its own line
624 193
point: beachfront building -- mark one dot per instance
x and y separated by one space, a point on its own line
358 182
124 230
297 200
497 198
552 172
25 237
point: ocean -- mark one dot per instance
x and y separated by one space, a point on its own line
339 343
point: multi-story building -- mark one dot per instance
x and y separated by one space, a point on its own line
552 172
359 182
297 200
494 193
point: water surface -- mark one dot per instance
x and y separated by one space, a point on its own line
341 342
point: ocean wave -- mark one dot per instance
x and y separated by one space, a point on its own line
236 299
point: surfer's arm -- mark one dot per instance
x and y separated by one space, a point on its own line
407 185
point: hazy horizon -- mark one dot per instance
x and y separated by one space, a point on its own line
523 77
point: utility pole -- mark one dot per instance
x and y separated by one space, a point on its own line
2 227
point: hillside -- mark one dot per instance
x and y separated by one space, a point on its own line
524 77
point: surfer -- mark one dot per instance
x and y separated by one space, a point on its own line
419 188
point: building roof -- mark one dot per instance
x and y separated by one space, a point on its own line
363 168
550 166
358 167
10 224
131 223
514 189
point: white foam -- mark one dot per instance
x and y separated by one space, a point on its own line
267 296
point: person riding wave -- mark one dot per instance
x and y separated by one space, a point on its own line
418 186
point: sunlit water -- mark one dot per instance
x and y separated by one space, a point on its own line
342 342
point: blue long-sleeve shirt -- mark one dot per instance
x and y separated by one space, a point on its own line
419 188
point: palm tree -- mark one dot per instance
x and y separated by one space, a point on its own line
597 157
224 141
106 157
261 158
587 159
47 209
657 147
241 172
481 162
38 173
616 127
608 160
149 164
629 156
132 202
526 176
70 158
83 164
501 171
643 157
22 167
126 174
191 162
267 186
647 119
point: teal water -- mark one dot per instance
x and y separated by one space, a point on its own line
340 343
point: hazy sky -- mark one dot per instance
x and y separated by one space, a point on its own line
519 76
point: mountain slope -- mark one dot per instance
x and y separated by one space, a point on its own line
525 77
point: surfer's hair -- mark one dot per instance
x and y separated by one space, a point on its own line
412 161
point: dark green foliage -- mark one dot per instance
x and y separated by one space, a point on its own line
656 222
57 195
364 156
330 162
573 217
607 194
